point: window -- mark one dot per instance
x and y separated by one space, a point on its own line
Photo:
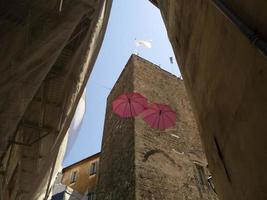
201 174
73 177
93 168
91 196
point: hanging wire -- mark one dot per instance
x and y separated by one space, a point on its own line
101 85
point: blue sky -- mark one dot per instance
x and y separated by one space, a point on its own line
129 19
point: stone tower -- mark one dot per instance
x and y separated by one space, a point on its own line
139 162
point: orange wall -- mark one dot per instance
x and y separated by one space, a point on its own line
84 181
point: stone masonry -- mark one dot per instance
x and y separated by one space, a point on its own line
139 162
226 81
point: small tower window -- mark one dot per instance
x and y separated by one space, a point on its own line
200 174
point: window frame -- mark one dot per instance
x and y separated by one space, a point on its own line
93 168
201 176
73 178
91 195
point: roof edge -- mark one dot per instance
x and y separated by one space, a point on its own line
80 161
155 65
154 2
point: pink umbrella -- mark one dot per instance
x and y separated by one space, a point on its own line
160 116
129 104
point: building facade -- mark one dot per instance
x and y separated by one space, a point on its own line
48 49
82 176
138 162
225 74
63 192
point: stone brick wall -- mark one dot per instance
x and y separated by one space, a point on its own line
167 164
117 170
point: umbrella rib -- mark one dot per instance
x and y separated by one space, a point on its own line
155 110
131 105
169 111
154 122
124 109
137 102
130 109
170 119
150 114
115 108
163 121
159 120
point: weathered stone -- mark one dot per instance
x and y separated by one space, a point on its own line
226 79
139 162
47 52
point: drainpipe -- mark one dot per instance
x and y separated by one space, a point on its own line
252 36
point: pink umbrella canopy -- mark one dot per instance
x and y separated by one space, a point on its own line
160 116
129 104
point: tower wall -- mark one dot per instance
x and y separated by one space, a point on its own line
166 164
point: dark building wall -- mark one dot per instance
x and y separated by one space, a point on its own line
117 170
226 79
167 164
48 49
